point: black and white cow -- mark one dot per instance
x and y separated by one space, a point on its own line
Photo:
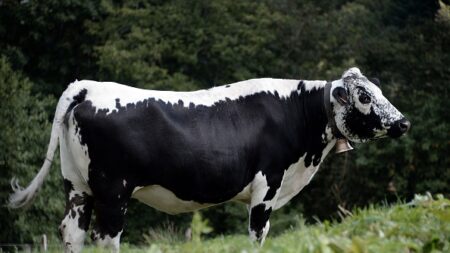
258 142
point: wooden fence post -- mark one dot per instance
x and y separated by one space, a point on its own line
44 243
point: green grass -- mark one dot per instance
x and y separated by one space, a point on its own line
420 226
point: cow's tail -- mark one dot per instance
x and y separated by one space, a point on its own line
23 197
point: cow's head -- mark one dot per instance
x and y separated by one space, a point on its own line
361 112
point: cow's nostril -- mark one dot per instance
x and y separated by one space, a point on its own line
404 125
399 127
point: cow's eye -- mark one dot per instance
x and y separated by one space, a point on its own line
364 98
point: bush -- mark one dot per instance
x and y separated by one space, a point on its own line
25 130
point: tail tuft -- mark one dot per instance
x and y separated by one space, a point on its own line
23 197
19 197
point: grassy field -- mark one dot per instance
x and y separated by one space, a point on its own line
422 225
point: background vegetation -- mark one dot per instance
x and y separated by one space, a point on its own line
183 45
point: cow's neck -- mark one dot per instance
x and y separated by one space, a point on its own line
314 134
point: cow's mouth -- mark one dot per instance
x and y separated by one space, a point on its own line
380 134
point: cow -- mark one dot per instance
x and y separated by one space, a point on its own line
258 142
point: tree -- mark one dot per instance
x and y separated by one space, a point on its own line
48 41
25 129
181 46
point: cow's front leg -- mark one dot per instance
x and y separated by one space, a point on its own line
264 195
259 222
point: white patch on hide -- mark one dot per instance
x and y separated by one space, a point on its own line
165 200
259 189
74 157
297 176
73 236
136 189
314 85
103 95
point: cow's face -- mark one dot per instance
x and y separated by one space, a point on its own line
362 113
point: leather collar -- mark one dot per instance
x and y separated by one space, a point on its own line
329 111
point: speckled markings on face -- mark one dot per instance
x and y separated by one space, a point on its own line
360 121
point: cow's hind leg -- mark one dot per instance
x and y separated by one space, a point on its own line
77 217
79 202
109 222
110 207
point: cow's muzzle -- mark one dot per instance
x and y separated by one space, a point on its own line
399 127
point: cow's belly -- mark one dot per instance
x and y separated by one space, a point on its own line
295 178
166 201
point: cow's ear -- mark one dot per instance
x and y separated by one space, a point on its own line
340 94
375 81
